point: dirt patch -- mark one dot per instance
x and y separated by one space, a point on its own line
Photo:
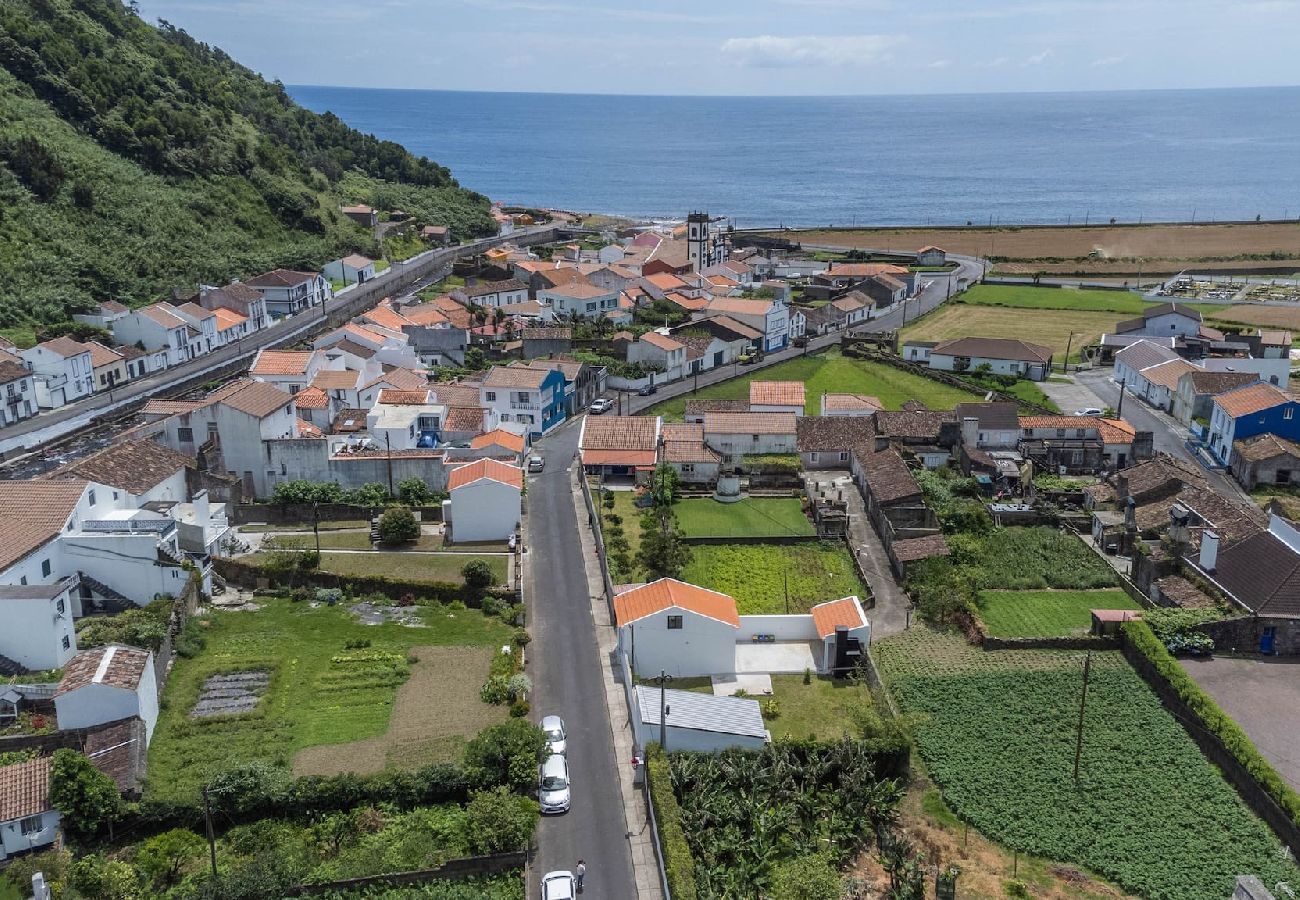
436 710
1275 316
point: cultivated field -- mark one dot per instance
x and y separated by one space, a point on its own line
998 736
1266 316
1051 328
752 517
757 574
1127 303
1161 248
1017 614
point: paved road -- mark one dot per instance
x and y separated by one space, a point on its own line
568 681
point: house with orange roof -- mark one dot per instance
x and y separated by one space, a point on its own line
484 501
689 631
497 444
665 355
290 370
770 318
1251 410
619 446
406 420
528 400
1082 444
578 299
776 397
155 327
109 366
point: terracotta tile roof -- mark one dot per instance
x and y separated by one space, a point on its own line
280 278
1250 399
693 304
620 433
456 394
1164 473
852 301
281 362
32 513
485 468
357 261
665 281
1204 382
1265 446
1273 338
255 398
700 407
349 421
515 377
392 397
101 355
826 433
228 318
12 371
851 402
311 398
191 308
669 593
65 347
159 407
427 314
921 424
662 341
863 270
688 452
385 316
162 314
1167 374
737 306
112 306
351 347
739 329
579 290
484 288
25 789
118 750
1164 309
994 348
548 334
115 665
832 614
1100 492
558 275
1109 431
468 419
334 380
926 547
308 430
888 477
1144 354
776 393
499 437
750 423
135 466
635 458
408 380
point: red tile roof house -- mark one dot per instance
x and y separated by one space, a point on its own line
105 684
776 397
619 446
689 631
61 370
1004 356
737 435
28 820
484 501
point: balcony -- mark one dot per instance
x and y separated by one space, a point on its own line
515 404
163 528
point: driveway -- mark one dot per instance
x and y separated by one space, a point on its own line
568 681
1071 396
1263 697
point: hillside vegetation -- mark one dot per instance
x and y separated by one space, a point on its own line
134 159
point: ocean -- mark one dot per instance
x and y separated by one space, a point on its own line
1029 158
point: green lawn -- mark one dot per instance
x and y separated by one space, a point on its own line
823 710
997 732
631 524
409 566
756 574
754 517
1015 614
320 691
829 372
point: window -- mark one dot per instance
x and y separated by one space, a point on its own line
1060 432
674 623
844 456
814 457
32 824
293 388
22 580
1078 432
491 396
1283 476
45 567
67 642
91 496
60 606
1288 412
185 435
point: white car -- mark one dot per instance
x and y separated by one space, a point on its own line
600 405
1088 411
536 463
553 785
556 739
558 886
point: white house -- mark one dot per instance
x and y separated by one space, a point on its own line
105 684
1137 356
153 328
203 336
240 300
286 292
697 722
1003 356
771 318
353 269
289 370
493 293
665 354
36 624
406 420
484 501
776 397
62 371
28 821
931 256
17 391
1163 320
579 298
740 434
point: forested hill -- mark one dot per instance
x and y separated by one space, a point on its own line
134 158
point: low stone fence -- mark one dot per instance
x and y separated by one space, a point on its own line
493 864
1049 643
185 606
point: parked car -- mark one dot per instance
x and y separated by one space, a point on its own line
749 356
600 405
556 740
1088 411
553 785
558 886
800 341
648 390
536 463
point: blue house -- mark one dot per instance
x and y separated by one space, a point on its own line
523 399
1253 409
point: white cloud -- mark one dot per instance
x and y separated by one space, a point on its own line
940 64
769 51
1107 61
1038 58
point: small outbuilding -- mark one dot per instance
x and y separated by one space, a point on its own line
105 684
484 501
699 722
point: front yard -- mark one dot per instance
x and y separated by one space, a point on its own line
1020 614
332 680
757 575
752 517
826 709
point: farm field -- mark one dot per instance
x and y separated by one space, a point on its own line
998 738
829 372
1049 327
1030 297
752 517
1017 614
1266 316
320 691
1024 558
755 574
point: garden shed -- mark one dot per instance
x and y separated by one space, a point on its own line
700 722
105 684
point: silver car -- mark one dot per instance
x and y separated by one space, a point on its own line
558 886
556 739
553 785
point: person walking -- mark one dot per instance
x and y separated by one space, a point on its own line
580 870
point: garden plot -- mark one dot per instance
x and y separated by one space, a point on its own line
759 576
230 694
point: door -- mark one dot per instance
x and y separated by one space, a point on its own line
1268 641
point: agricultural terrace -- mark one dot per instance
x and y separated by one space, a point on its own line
332 680
1021 614
751 517
757 575
829 372
997 733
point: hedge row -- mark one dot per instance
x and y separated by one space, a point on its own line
393 588
1142 639
679 865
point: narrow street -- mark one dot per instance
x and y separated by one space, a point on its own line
568 681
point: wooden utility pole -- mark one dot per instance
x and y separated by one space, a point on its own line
212 839
1083 703
1119 411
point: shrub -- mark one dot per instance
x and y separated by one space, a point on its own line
679 864
328 596
357 644
87 798
519 685
811 877
505 754
522 638
398 526
520 708
164 857
414 492
771 708
478 577
498 821
496 690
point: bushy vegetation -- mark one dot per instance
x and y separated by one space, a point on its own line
145 626
1176 628
758 575
134 159
288 493
998 736
397 525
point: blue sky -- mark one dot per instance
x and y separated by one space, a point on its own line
753 46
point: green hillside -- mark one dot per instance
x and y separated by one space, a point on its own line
134 159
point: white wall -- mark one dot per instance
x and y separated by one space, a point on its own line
784 628
702 646
484 510
13 841
698 741
33 632
95 704
1274 371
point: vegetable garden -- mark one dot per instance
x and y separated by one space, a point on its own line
757 575
998 737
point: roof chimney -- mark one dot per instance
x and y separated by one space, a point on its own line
1130 514
1209 551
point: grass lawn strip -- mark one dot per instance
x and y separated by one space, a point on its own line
320 692
419 731
1050 328
415 567
1127 303
752 517
1017 614
998 737
755 574
822 710
829 372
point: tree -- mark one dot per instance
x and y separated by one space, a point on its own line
662 553
87 798
162 858
397 526
475 359
505 754
414 492
665 485
808 878
478 577
498 821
